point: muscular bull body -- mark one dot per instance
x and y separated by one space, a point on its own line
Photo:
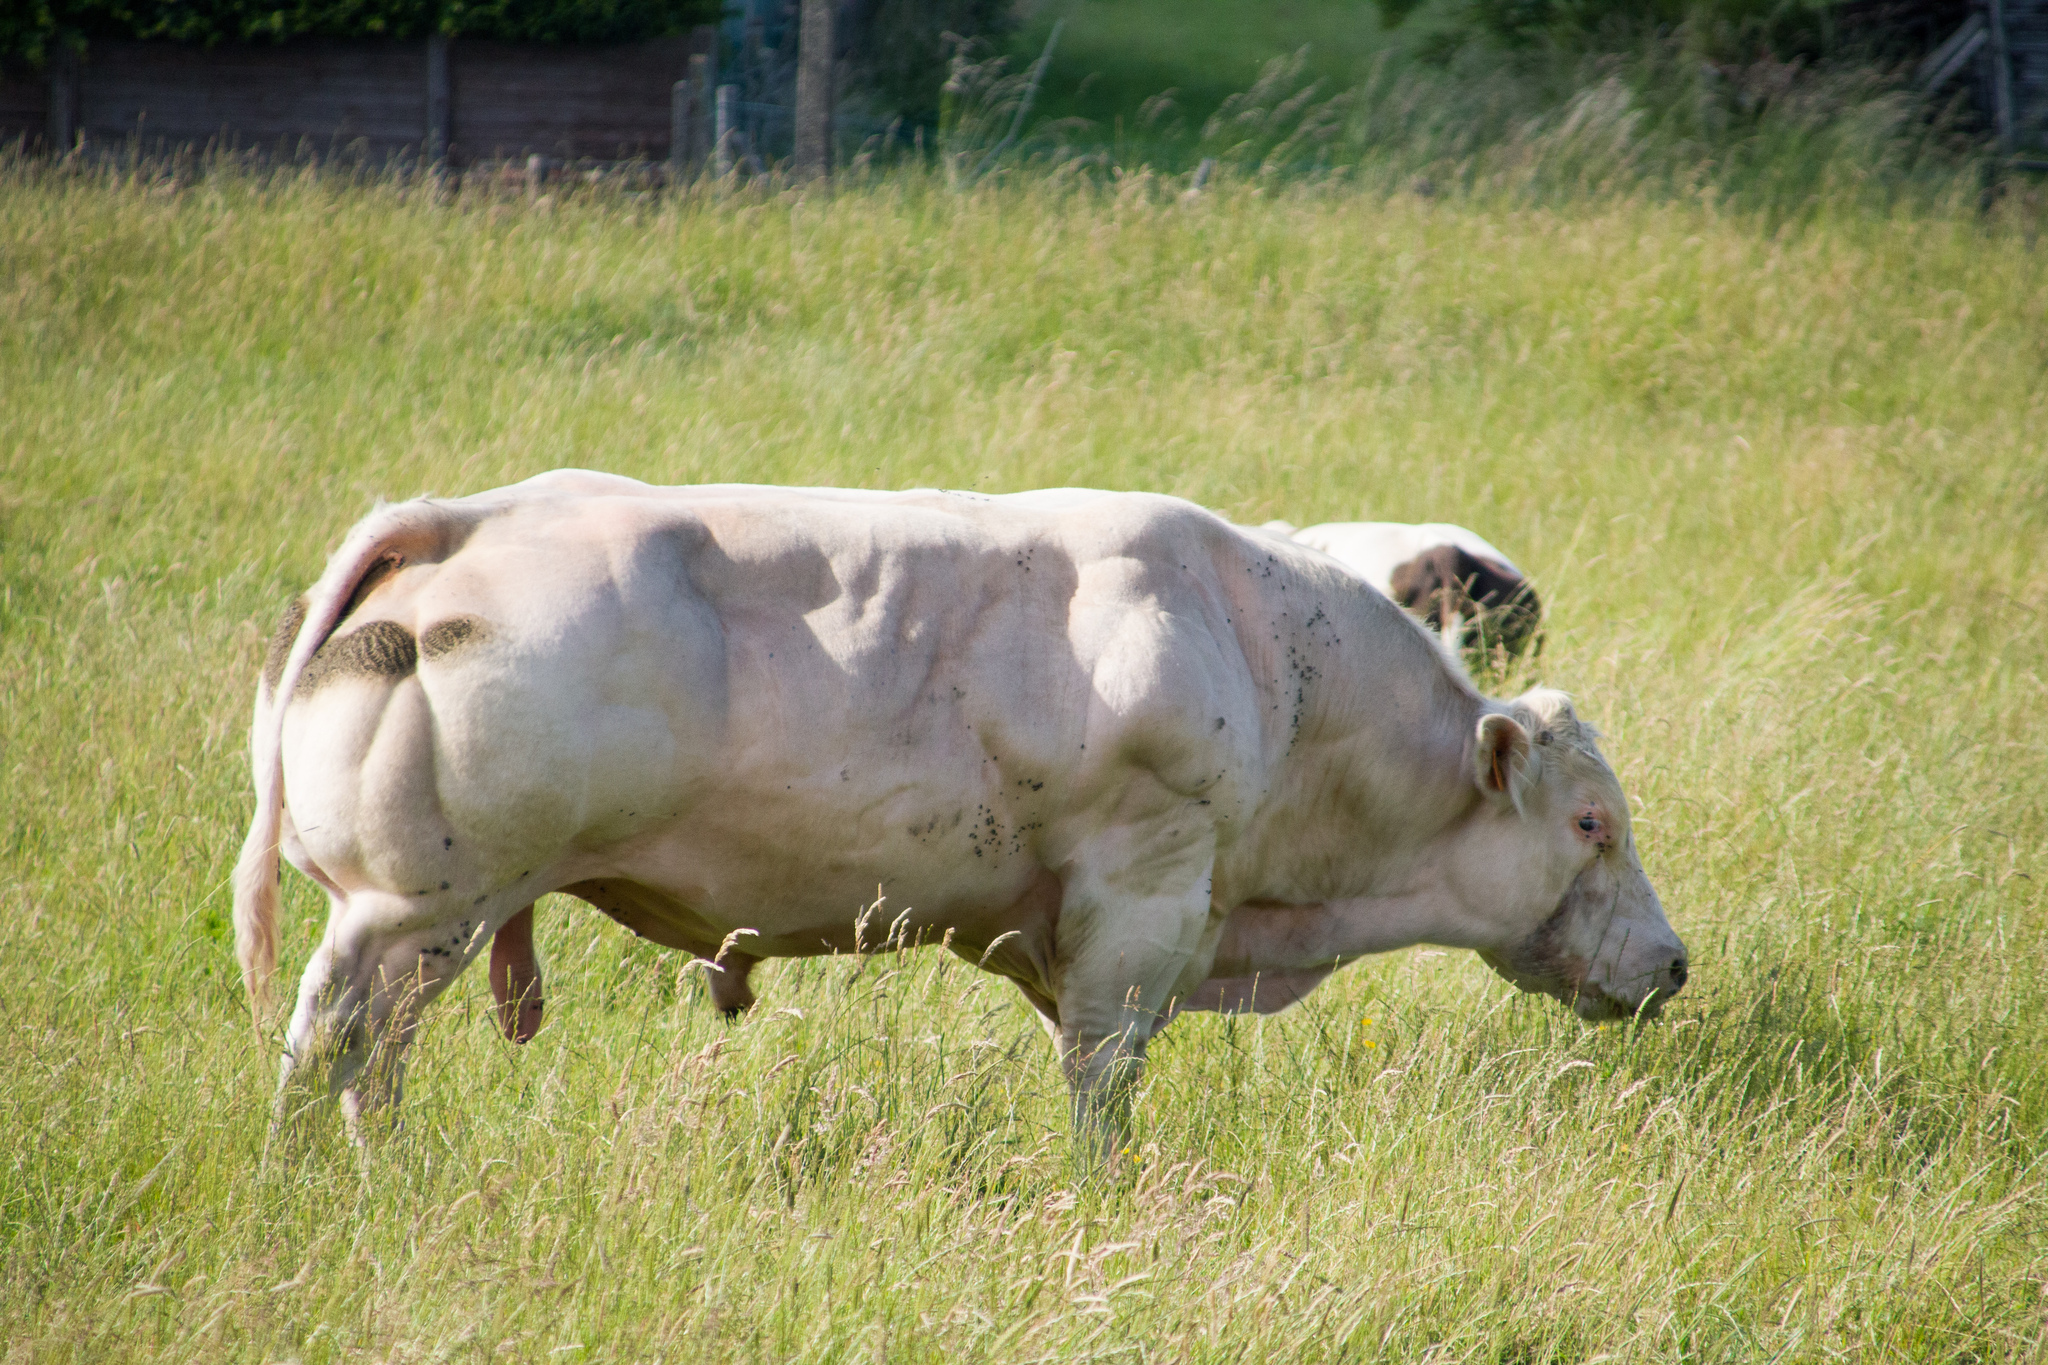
1128 756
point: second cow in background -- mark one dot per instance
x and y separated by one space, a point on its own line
1461 585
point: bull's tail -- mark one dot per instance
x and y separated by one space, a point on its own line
388 538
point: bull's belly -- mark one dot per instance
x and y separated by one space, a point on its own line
823 865
970 920
799 901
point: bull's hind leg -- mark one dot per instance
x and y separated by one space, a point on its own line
383 959
1135 926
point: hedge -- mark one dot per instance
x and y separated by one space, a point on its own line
31 30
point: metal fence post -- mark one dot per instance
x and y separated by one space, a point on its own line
63 111
726 130
679 111
751 26
700 109
440 114
2001 77
814 54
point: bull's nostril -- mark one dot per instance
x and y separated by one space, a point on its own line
1677 972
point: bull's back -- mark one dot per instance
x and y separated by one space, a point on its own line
733 674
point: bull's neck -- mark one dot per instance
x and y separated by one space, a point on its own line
1409 764
1394 723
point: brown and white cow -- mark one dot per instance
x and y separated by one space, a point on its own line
1463 588
1127 755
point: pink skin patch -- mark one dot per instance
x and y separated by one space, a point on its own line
515 977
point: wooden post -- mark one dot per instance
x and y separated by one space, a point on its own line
2001 77
725 130
814 55
536 171
440 113
63 111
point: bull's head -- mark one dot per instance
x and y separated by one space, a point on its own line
1550 868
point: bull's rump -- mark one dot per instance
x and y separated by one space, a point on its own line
749 707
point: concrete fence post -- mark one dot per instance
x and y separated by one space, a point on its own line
816 49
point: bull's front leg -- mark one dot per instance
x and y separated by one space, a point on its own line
1135 930
727 981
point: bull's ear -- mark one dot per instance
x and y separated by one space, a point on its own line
1503 761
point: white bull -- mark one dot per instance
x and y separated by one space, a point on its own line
1125 754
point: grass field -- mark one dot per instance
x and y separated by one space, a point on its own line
1782 489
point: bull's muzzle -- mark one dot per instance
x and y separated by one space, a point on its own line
1597 1005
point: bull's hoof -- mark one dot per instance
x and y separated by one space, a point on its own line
528 1023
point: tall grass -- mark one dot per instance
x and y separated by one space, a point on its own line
1637 107
1781 486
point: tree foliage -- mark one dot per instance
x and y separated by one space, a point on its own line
901 55
32 30
1785 28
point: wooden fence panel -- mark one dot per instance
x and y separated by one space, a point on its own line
24 104
603 102
327 94
497 99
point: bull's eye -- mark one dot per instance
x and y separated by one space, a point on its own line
1588 823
